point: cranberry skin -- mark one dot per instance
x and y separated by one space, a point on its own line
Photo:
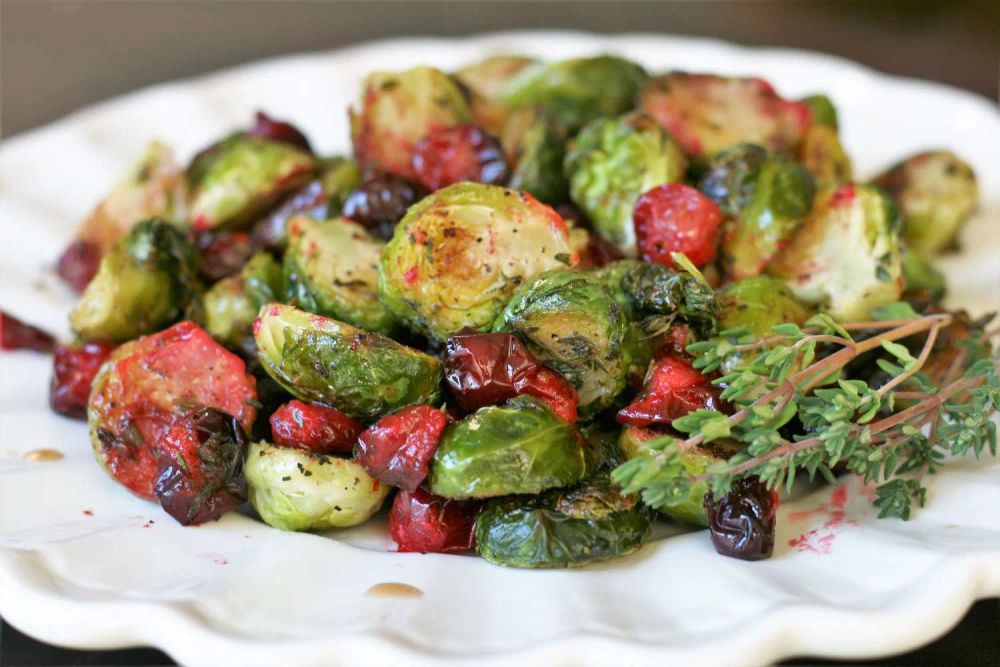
73 372
311 200
398 448
742 523
487 368
462 153
421 522
554 390
222 254
673 388
381 202
276 130
598 252
78 263
676 218
16 335
314 427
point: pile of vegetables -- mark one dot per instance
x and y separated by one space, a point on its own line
541 307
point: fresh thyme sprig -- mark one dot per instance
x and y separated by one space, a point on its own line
906 425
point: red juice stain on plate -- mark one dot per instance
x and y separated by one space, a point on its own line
820 540
393 589
89 512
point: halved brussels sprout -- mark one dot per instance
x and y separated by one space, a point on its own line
322 360
571 323
142 285
457 256
936 192
562 528
822 111
294 489
397 109
612 162
578 90
920 276
758 304
767 195
536 145
485 81
229 308
846 255
822 155
331 268
521 447
603 453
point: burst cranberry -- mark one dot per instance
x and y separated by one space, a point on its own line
676 218
742 522
222 254
314 427
276 130
73 371
78 263
397 449
381 202
672 389
554 390
463 153
421 522
485 368
16 335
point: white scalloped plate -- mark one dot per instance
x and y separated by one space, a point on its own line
84 563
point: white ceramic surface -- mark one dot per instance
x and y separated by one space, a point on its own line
841 583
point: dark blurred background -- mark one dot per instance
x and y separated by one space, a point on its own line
56 56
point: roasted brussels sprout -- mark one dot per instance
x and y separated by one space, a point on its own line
758 304
521 447
362 374
331 268
229 308
571 323
611 163
708 113
654 290
822 155
536 145
603 452
485 81
562 528
821 111
936 192
578 90
242 176
397 109
767 196
457 256
293 489
846 255
142 285
920 276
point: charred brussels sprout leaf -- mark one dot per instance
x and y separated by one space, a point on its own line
242 177
655 290
229 308
485 81
611 163
536 146
521 447
331 268
142 285
846 255
766 194
578 90
603 452
293 489
936 192
357 372
571 323
758 304
822 111
561 528
457 256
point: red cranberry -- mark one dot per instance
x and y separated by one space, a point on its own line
598 252
554 390
222 253
78 263
16 335
276 130
73 371
672 389
424 523
462 153
742 522
397 449
485 368
676 218
381 202
314 427
270 231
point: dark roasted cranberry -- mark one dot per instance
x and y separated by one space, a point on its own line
598 252
672 389
16 335
485 368
78 263
73 371
742 522
276 130
201 466
312 200
222 254
424 523
381 202
455 154
676 218
554 390
314 427
397 449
